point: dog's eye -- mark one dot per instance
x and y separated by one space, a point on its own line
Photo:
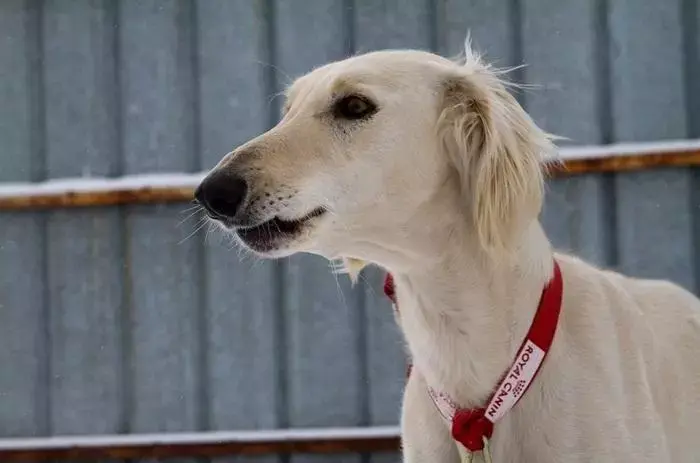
353 107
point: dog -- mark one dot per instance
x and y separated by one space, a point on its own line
429 168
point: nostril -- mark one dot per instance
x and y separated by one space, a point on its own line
221 194
224 206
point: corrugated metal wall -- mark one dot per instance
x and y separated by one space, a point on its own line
112 320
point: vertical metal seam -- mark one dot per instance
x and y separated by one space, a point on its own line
192 24
434 39
604 93
363 380
202 311
441 28
348 18
114 11
124 340
127 316
603 71
34 17
691 73
268 49
515 19
691 65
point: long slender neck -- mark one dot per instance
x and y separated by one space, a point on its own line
464 316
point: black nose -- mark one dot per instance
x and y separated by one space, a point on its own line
222 194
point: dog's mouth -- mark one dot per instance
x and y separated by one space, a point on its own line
274 233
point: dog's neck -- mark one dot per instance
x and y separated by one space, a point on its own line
464 316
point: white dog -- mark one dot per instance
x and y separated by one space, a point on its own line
431 170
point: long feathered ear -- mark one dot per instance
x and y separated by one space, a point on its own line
496 150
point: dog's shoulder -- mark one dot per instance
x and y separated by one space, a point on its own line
640 308
583 277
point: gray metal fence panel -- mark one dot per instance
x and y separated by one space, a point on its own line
244 350
562 54
233 59
129 319
23 344
83 253
325 375
490 25
647 75
393 24
385 357
649 103
690 15
159 128
241 296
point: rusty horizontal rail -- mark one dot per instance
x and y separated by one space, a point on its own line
94 192
178 188
200 445
626 163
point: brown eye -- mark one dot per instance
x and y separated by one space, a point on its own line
354 107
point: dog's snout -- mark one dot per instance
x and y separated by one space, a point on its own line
221 194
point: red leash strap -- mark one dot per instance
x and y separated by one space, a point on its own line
471 427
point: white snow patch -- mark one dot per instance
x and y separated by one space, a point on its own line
628 149
263 436
63 186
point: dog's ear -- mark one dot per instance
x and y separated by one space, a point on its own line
496 150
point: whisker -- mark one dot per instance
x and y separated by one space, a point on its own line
340 291
278 69
197 210
201 225
194 206
210 228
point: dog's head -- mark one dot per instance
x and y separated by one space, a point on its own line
372 148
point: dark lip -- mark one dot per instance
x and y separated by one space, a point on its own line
267 235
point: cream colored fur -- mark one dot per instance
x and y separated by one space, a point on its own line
443 187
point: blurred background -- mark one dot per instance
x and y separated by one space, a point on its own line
128 319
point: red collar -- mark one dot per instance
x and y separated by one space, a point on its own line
471 427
